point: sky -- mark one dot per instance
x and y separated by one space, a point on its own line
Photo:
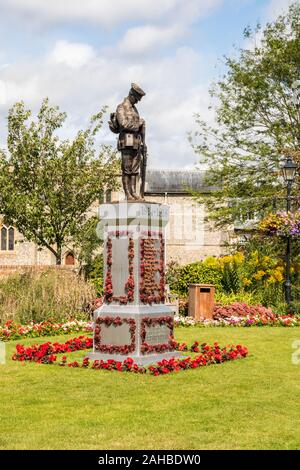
85 54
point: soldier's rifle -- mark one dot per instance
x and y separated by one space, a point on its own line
144 160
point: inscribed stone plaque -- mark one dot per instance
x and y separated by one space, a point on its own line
151 260
119 268
116 335
157 334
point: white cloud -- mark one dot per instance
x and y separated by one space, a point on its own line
12 91
143 39
71 54
105 12
175 85
189 11
173 94
277 7
108 13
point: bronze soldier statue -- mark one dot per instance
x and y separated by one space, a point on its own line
131 143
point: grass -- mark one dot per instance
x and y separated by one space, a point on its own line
251 403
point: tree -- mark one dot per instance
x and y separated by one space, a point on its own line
85 243
47 185
257 123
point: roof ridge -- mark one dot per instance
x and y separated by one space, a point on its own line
177 170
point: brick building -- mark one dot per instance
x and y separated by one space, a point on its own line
189 237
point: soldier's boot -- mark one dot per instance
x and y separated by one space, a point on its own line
133 187
126 187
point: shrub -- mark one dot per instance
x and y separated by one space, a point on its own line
183 306
293 308
51 294
94 272
270 295
243 297
173 269
195 273
231 281
255 277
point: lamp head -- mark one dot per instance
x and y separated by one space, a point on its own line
289 170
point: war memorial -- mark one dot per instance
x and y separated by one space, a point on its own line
134 319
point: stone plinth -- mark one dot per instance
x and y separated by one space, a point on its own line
134 320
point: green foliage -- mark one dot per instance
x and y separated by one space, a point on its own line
270 295
172 274
257 121
231 280
248 298
49 294
47 185
194 273
94 272
293 308
284 309
254 277
85 243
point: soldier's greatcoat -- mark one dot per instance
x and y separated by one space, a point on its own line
128 116
129 142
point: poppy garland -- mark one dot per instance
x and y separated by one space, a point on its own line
115 321
152 263
129 285
161 347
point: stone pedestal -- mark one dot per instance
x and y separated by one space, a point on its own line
134 320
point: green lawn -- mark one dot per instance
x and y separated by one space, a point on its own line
251 403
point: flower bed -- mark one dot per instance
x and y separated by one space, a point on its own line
209 355
240 314
12 331
47 354
247 321
282 223
239 309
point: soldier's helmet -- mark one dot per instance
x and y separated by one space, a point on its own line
137 91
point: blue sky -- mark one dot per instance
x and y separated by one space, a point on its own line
85 54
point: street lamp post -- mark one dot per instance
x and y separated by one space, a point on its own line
289 172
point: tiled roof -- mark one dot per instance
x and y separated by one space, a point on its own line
175 181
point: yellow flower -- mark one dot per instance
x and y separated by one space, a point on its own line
211 261
277 274
254 258
271 280
226 259
246 282
239 257
259 275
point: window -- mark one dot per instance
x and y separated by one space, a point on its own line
7 238
69 259
11 238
